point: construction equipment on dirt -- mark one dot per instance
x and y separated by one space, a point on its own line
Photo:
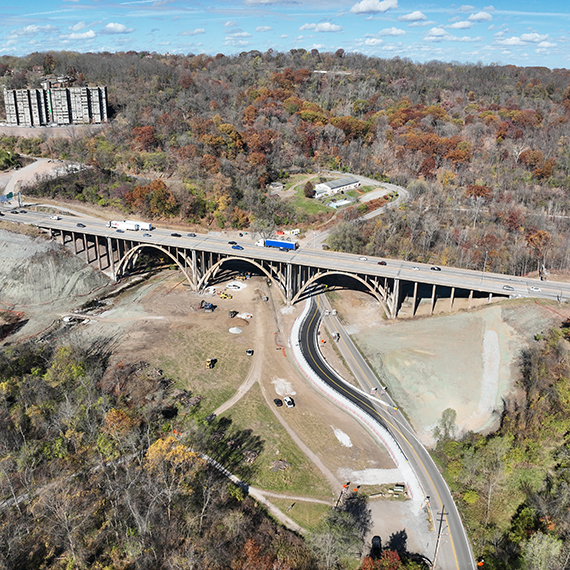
232 314
225 295
208 307
210 362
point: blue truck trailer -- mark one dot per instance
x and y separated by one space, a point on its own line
281 243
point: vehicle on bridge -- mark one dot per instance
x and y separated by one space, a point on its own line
130 225
279 243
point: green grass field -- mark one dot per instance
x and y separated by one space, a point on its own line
301 477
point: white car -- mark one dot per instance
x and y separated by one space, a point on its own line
363 258
289 402
55 217
535 289
416 268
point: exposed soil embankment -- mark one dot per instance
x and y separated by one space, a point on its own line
35 271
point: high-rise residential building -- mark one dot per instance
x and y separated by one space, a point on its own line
61 105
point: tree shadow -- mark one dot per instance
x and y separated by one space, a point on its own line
398 542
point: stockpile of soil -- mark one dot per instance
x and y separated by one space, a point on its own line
36 270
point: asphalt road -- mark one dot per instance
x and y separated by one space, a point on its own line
455 550
327 260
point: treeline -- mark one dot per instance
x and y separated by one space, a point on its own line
513 486
494 139
471 227
93 476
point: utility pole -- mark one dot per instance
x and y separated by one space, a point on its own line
441 519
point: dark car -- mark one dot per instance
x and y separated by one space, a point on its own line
232 242
237 246
80 225
175 235
23 211
508 288
191 234
283 249
435 268
382 263
120 231
278 402
147 235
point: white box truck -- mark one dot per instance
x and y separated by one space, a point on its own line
130 225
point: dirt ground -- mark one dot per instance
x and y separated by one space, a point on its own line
467 361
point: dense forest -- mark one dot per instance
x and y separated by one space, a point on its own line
486 150
89 479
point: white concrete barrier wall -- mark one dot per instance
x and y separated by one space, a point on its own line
412 483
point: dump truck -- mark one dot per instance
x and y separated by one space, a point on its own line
210 362
130 225
279 243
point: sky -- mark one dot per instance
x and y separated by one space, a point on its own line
522 32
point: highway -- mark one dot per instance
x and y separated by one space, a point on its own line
326 260
455 550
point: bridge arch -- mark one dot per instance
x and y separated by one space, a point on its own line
132 252
212 271
373 291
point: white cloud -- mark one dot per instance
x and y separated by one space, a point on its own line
235 35
263 29
466 8
462 25
322 27
441 35
547 45
78 27
387 32
422 24
82 36
480 17
373 41
534 38
413 17
195 32
33 30
514 41
283 36
236 43
488 8
230 24
373 6
114 28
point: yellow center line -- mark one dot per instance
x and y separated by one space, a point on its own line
366 404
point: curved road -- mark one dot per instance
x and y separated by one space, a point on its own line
455 550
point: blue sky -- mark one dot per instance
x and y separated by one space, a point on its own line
525 32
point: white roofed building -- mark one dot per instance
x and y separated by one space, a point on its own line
335 186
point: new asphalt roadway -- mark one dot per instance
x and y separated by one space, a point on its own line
454 548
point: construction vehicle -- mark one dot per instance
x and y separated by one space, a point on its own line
210 362
232 314
224 295
208 307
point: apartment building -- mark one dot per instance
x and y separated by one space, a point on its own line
60 105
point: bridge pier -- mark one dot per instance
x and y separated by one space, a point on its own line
432 299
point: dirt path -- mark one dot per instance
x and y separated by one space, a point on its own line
254 374
330 477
